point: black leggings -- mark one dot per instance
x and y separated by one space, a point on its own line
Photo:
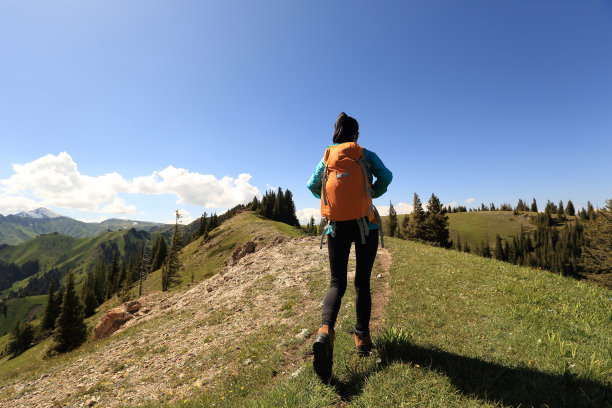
339 248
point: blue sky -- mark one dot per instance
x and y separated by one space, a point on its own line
134 109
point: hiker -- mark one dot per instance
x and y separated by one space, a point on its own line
343 183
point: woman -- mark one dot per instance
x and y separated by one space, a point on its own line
341 233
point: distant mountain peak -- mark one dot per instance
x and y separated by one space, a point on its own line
39 213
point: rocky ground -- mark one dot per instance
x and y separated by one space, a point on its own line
172 349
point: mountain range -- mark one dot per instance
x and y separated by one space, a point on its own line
26 225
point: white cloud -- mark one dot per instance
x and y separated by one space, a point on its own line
56 181
198 189
470 200
186 218
452 204
13 204
304 215
400 208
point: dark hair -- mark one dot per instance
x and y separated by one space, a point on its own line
346 128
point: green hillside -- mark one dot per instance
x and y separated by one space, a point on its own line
64 252
478 226
15 229
28 308
458 330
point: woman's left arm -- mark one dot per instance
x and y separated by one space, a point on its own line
383 174
316 180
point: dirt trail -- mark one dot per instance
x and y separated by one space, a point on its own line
168 350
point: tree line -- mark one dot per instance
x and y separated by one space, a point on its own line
429 225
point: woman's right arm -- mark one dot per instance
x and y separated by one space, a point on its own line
314 184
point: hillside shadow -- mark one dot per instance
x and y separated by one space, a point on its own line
508 386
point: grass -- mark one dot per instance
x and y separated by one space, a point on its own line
458 331
478 226
202 259
18 309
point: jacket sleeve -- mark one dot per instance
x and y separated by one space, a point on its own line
377 168
314 184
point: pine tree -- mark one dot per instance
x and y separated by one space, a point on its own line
202 227
416 224
20 338
91 302
597 252
113 276
51 312
499 251
569 209
70 328
534 206
171 266
590 211
289 208
159 253
560 212
436 223
404 228
277 209
392 221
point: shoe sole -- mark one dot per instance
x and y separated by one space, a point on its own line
323 357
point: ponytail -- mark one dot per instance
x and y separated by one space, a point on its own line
346 129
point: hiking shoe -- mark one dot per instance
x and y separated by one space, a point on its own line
363 342
323 349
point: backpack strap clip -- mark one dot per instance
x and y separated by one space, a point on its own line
330 224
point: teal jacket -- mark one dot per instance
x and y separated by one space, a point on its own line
375 168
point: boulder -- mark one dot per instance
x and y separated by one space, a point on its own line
240 252
115 318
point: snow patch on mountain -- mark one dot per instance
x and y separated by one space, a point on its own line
39 213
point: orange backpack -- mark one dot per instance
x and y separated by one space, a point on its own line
346 193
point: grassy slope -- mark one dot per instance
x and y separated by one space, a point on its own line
204 261
460 331
475 227
18 310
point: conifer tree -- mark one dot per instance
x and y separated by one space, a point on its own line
534 206
158 253
277 209
597 255
70 328
202 227
90 302
392 221
560 211
436 223
100 280
113 276
20 338
171 266
289 208
591 211
51 312
404 228
499 251
417 220
569 209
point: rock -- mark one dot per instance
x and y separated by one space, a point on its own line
111 322
379 276
302 334
241 252
133 306
91 402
